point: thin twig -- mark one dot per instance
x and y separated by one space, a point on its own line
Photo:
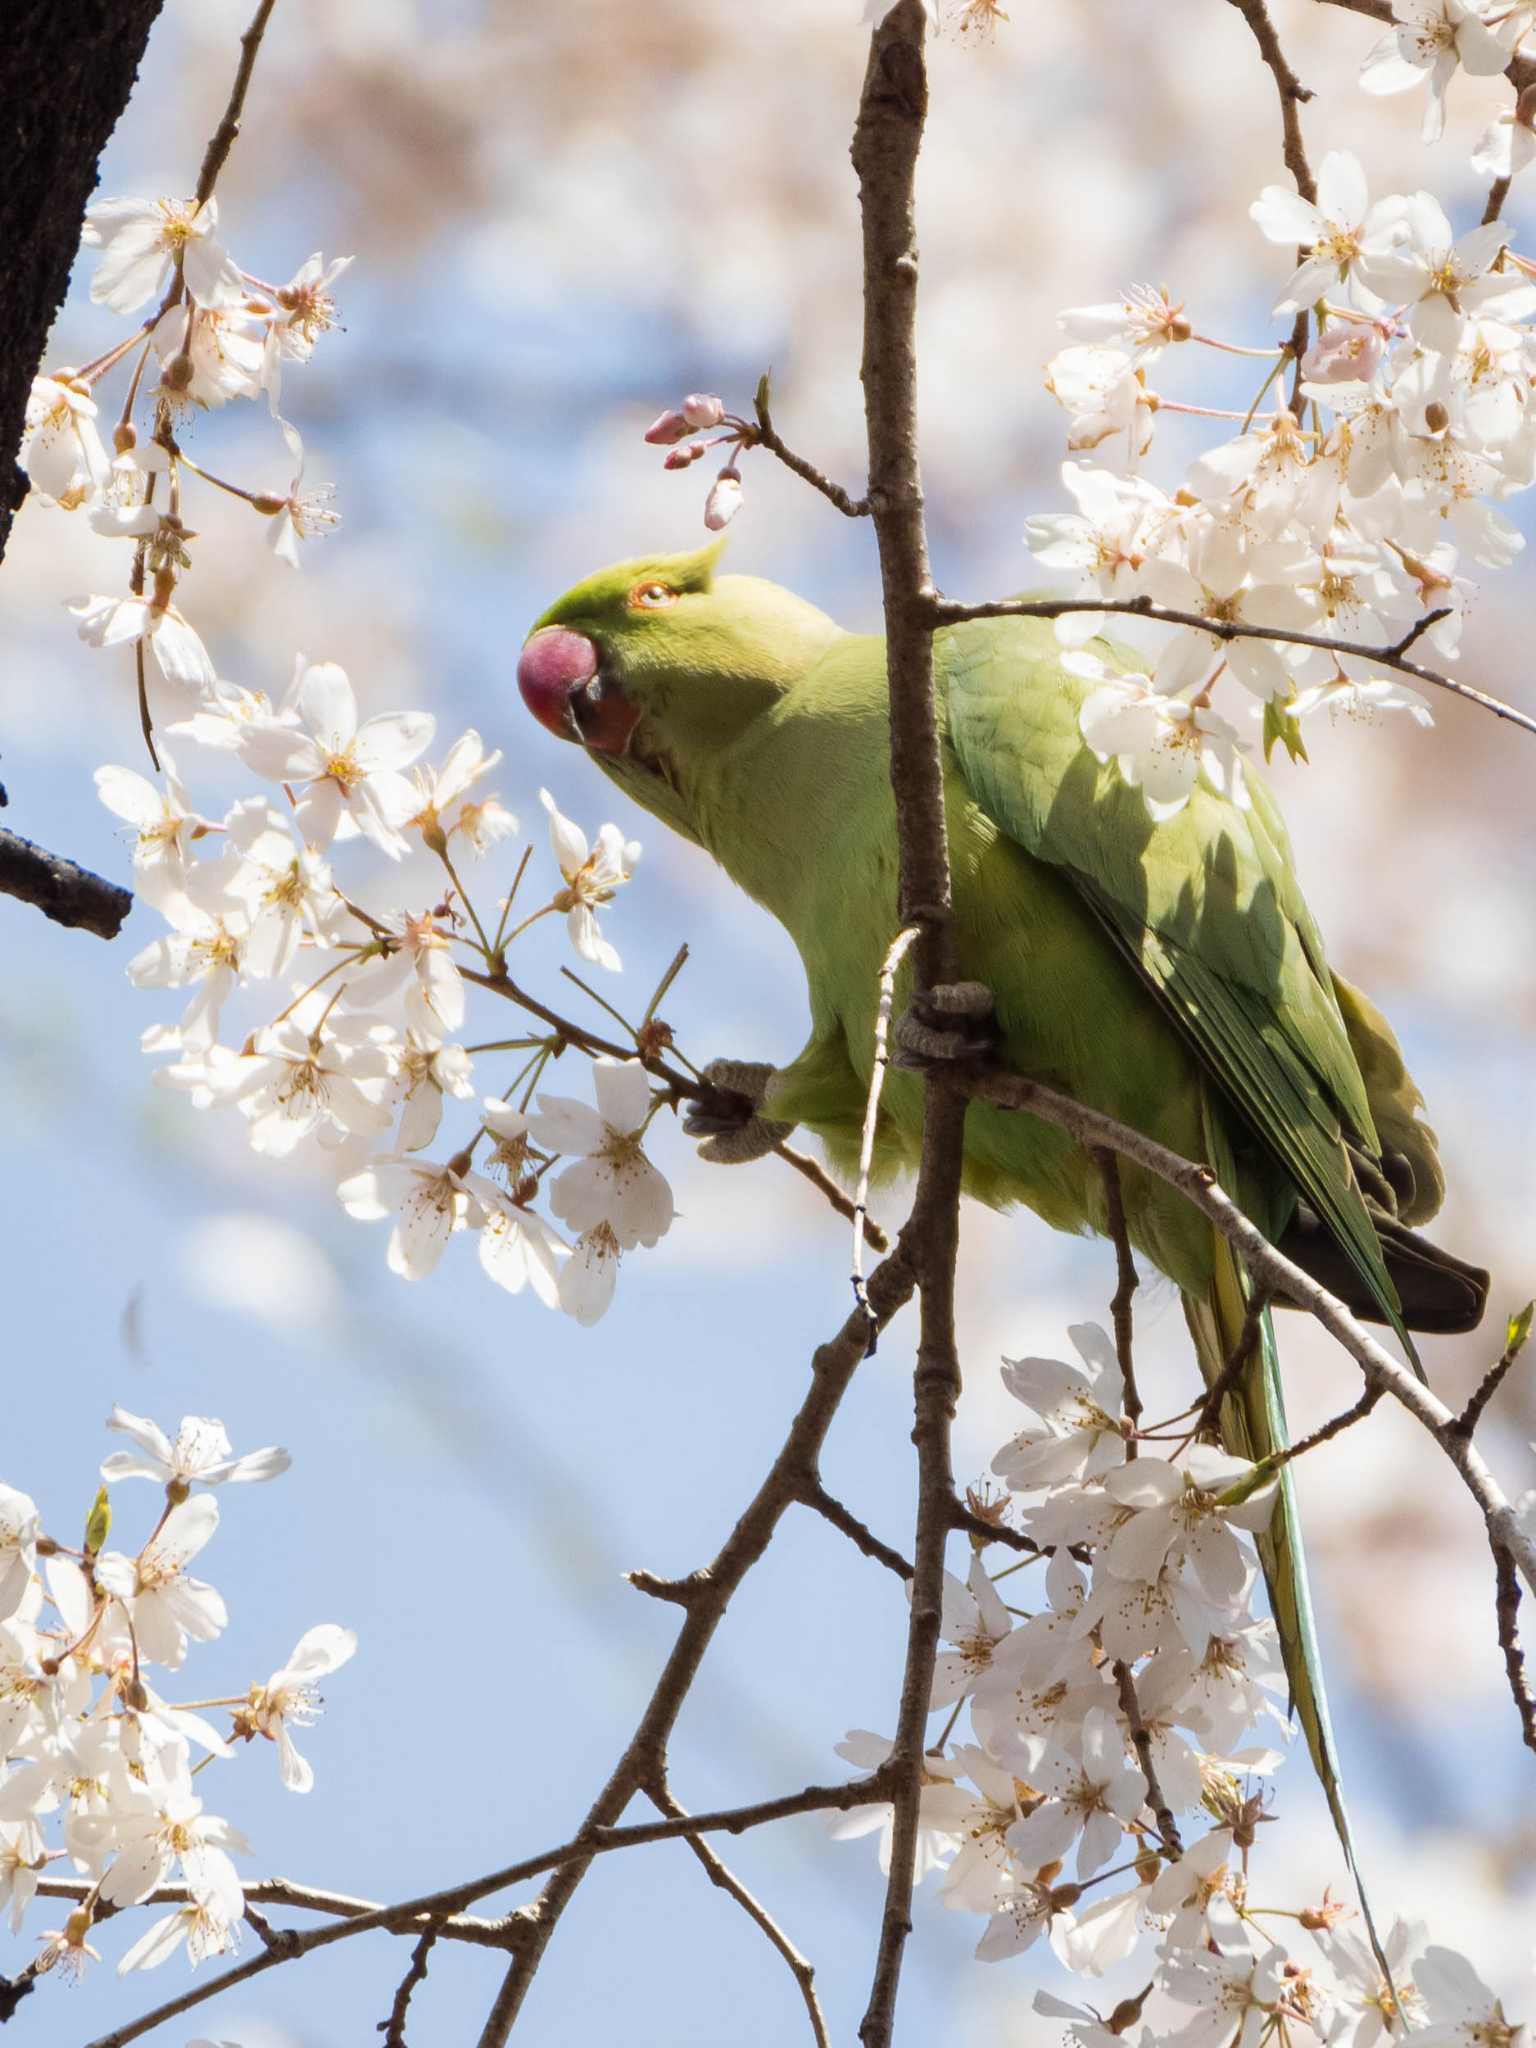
948 613
222 140
1125 1289
768 437
1293 96
821 1180
1208 1421
1507 1613
1329 1430
815 1496
720 1874
1141 1740
393 2029
1493 1378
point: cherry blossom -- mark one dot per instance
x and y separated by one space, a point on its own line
169 1607
592 875
975 1620
430 1202
120 621
201 1454
610 1180
142 239
1079 1436
19 1526
1433 36
288 1700
298 515
164 825
1340 231
347 769
62 451
1164 743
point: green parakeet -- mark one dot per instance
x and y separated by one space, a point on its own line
1168 973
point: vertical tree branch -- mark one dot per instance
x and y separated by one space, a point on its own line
886 142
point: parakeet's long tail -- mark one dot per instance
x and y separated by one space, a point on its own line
1253 1425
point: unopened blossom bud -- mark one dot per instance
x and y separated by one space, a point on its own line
666 428
1436 417
125 436
178 373
684 457
98 1522
724 500
702 409
1127 2013
1346 354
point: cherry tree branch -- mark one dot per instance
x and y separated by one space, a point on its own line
886 141
768 437
1293 95
222 140
1278 1277
832 1370
946 612
720 1874
1141 1742
60 888
393 2029
1125 1289
816 1497
414 1916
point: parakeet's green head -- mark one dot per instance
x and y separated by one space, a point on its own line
656 664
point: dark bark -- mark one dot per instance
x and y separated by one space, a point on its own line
66 70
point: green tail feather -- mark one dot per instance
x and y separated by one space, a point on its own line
1252 1426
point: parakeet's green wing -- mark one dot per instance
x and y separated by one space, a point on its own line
1205 904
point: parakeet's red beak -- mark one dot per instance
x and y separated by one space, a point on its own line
561 679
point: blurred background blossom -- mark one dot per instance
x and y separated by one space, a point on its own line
563 218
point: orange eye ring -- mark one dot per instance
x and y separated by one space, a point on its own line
652 597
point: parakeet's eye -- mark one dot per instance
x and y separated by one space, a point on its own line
651 597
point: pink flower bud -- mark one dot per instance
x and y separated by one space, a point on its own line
1347 353
669 427
724 500
702 409
683 458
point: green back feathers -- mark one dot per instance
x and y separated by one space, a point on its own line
1204 904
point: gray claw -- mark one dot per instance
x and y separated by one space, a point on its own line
947 1024
726 1121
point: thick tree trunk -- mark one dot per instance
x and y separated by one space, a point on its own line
66 70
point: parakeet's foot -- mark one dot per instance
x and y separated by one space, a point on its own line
727 1119
948 1024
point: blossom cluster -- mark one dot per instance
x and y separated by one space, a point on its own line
217 333
1139 1642
96 1765
361 1040
361 1044
1347 512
